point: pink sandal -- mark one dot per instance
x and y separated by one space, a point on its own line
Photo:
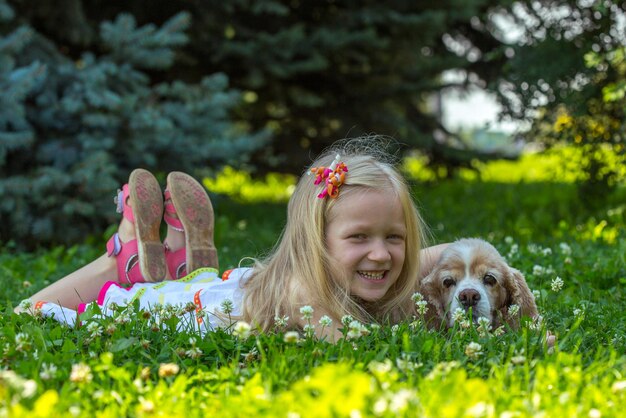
141 259
189 202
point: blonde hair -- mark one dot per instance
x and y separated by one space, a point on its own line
299 263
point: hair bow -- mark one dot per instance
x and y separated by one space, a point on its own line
333 177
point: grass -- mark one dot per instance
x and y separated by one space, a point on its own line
129 368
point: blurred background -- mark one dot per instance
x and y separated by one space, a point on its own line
478 94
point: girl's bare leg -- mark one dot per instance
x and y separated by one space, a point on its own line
84 284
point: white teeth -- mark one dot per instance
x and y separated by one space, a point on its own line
372 275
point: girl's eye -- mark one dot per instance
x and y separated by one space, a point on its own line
449 282
489 279
357 236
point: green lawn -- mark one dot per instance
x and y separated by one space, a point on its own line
545 228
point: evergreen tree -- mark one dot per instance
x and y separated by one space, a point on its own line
315 71
73 127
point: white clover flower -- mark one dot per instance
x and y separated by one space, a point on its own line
533 248
168 369
146 405
519 357
346 319
48 371
483 322
536 324
25 305
227 306
308 329
405 364
380 406
619 386
380 368
595 413
499 331
242 330
123 318
291 337
565 248
81 373
94 329
579 311
422 307
546 251
417 297
514 250
484 325
22 341
356 330
306 312
194 353
395 328
556 284
325 321
29 388
281 321
473 350
536 294
400 400
538 270
458 315
513 310
508 240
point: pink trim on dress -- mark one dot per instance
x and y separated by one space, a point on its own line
81 308
103 291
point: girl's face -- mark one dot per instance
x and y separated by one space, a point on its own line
365 236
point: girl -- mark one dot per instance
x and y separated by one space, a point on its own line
352 245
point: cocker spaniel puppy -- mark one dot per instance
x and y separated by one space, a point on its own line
473 276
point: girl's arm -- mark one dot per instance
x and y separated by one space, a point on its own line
429 257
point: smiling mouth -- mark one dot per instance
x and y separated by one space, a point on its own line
372 275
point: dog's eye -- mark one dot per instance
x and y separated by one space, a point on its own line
448 282
489 280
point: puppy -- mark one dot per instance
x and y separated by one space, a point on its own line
472 275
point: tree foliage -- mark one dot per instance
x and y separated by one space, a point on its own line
566 75
106 86
73 127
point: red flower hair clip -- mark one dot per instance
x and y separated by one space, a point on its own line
333 177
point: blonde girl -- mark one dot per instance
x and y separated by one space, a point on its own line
302 271
352 245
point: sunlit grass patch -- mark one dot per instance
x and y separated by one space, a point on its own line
561 164
241 187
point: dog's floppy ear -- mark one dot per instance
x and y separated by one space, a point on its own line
518 294
431 290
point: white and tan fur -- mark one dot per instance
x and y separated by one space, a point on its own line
471 274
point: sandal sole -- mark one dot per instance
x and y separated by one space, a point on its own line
195 212
147 204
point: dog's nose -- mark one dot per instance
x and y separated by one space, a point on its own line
469 298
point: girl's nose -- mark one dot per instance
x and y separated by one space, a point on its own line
379 252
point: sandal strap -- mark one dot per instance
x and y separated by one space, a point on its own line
176 262
127 259
120 200
170 211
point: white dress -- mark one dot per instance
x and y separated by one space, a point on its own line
197 299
